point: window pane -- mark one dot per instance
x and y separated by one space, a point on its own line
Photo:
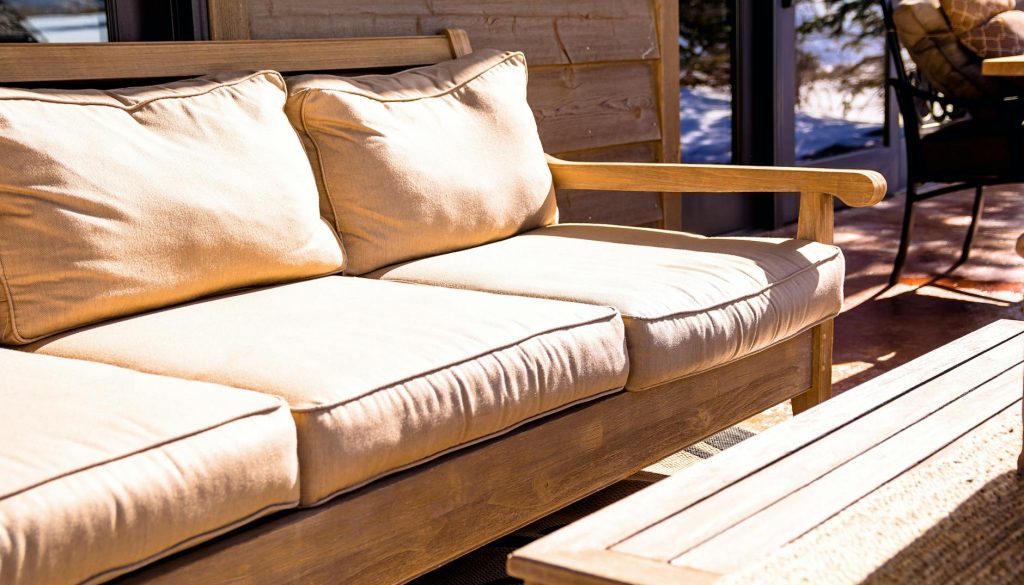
53 21
706 37
840 52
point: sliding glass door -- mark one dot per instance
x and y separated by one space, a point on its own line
782 82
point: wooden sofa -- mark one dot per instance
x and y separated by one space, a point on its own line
397 528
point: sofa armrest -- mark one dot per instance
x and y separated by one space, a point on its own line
853 187
816 186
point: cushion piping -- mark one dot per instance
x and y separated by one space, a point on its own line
10 301
319 170
625 315
321 407
150 447
755 352
461 446
767 288
510 56
217 85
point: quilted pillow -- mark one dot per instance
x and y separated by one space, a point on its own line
989 28
946 64
425 161
122 201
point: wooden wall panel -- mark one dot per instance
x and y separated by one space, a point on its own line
633 208
595 69
544 39
581 107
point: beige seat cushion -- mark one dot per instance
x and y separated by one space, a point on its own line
103 470
379 375
425 161
944 62
121 201
689 303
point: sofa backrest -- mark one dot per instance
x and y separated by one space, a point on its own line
66 63
145 207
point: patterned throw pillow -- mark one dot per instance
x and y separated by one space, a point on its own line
989 28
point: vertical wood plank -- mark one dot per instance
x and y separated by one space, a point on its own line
816 223
459 41
821 369
667 23
816 218
228 20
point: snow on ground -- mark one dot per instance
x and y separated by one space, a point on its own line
68 28
821 127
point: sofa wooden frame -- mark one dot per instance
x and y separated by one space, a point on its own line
405 525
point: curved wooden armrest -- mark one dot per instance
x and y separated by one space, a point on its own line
852 187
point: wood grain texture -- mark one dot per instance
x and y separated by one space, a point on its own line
41 62
816 218
667 12
624 519
588 106
726 508
468 498
459 41
721 513
590 32
821 356
607 206
228 20
853 187
808 507
1004 66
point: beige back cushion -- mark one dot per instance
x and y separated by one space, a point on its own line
942 60
122 201
425 161
989 28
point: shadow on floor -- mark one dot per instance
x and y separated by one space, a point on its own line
971 545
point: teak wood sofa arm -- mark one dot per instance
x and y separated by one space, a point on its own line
816 186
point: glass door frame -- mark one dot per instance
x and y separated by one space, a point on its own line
765 107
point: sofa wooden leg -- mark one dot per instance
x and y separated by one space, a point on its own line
821 374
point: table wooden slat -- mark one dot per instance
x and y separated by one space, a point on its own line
717 515
812 505
695 524
1004 66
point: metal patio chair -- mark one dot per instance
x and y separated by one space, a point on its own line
956 143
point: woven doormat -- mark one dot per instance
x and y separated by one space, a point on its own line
486 565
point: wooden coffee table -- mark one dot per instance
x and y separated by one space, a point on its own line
1003 66
720 515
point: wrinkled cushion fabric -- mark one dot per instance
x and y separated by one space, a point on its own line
103 470
926 34
116 202
379 375
689 303
989 28
425 161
